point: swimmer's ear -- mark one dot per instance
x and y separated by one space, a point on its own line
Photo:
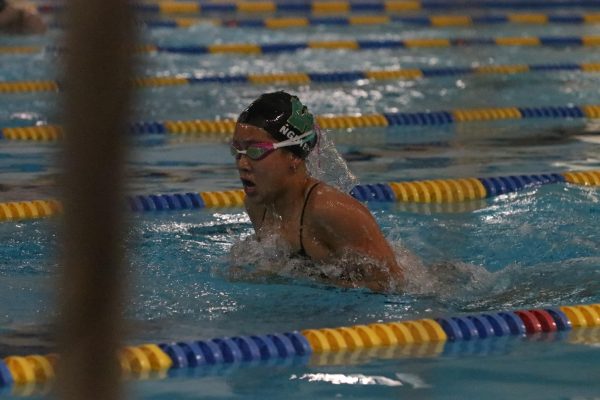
294 162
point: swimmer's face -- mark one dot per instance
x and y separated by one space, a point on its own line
264 178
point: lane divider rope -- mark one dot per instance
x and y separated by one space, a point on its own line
34 209
223 129
328 7
162 359
437 191
439 20
347 44
302 78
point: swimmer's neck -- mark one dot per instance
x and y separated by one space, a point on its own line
290 197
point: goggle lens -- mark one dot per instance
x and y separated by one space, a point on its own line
254 152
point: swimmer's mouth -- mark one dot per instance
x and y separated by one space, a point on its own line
248 183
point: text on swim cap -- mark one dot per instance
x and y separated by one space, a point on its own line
290 134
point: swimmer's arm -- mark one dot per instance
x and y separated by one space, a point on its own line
346 226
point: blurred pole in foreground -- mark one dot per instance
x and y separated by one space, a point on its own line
98 62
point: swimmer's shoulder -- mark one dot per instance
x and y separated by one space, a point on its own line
328 205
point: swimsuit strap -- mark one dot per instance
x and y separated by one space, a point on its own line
302 251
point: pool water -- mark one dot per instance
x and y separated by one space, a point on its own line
530 249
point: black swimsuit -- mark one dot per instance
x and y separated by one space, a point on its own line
300 253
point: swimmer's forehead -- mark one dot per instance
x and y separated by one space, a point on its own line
250 134
243 144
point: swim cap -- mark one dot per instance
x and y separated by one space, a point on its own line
284 117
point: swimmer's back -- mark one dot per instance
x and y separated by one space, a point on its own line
337 225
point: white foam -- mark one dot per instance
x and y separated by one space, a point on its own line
349 379
326 164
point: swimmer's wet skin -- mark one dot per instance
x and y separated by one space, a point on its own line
272 139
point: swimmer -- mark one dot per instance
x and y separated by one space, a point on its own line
272 139
20 19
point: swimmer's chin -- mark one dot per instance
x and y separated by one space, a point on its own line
249 186
250 191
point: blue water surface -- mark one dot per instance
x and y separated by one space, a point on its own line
532 249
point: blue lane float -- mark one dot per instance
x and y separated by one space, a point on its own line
462 334
225 128
436 192
6 378
562 322
498 324
352 5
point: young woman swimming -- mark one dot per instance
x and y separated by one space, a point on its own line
272 139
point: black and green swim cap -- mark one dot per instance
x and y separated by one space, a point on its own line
284 117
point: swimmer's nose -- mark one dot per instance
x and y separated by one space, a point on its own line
243 162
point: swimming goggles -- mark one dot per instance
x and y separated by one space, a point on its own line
258 151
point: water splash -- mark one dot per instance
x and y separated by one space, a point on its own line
255 260
450 285
349 379
271 259
466 287
326 164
